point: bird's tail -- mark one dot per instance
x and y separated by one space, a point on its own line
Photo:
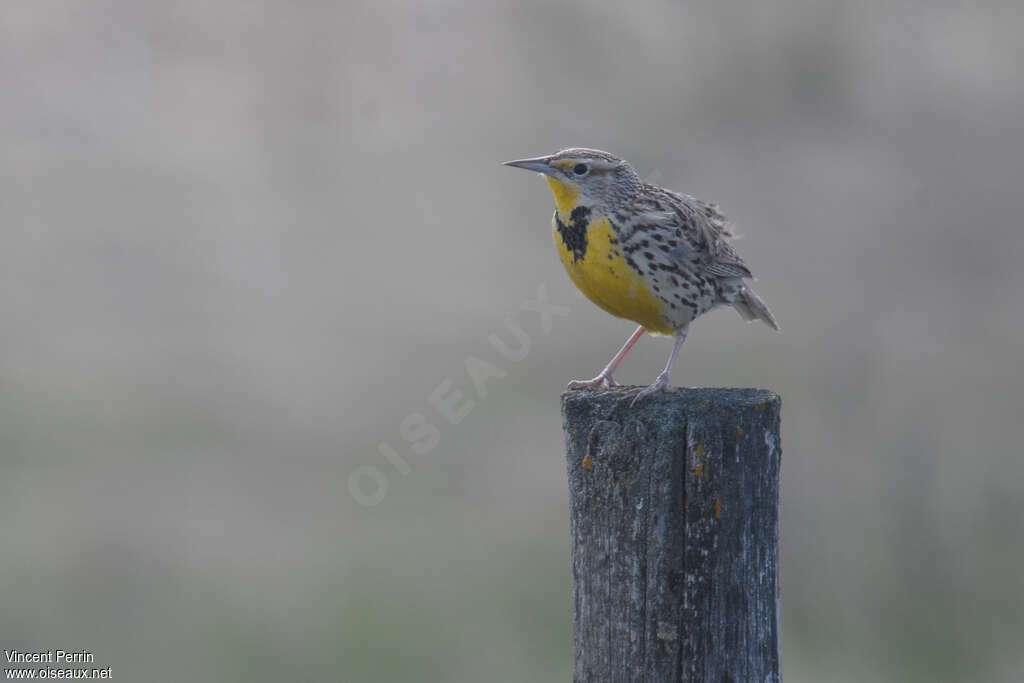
751 307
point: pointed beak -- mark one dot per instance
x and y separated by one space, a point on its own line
538 164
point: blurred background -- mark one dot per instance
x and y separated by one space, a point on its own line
247 241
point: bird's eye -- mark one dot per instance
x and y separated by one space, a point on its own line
580 169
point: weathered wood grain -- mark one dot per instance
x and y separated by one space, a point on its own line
675 531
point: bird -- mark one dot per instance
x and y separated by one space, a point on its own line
642 252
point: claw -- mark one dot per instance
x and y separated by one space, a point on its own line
601 380
660 384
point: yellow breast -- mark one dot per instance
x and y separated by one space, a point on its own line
594 261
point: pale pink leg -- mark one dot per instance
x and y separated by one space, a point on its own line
661 384
605 378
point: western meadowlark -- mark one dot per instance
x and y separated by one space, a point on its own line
641 252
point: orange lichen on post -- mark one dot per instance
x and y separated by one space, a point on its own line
739 430
718 509
587 463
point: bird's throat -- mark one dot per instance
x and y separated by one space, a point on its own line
566 196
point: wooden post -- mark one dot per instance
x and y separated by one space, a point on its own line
675 535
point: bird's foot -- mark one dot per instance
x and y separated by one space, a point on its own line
602 380
660 384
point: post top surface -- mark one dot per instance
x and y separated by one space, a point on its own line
684 397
